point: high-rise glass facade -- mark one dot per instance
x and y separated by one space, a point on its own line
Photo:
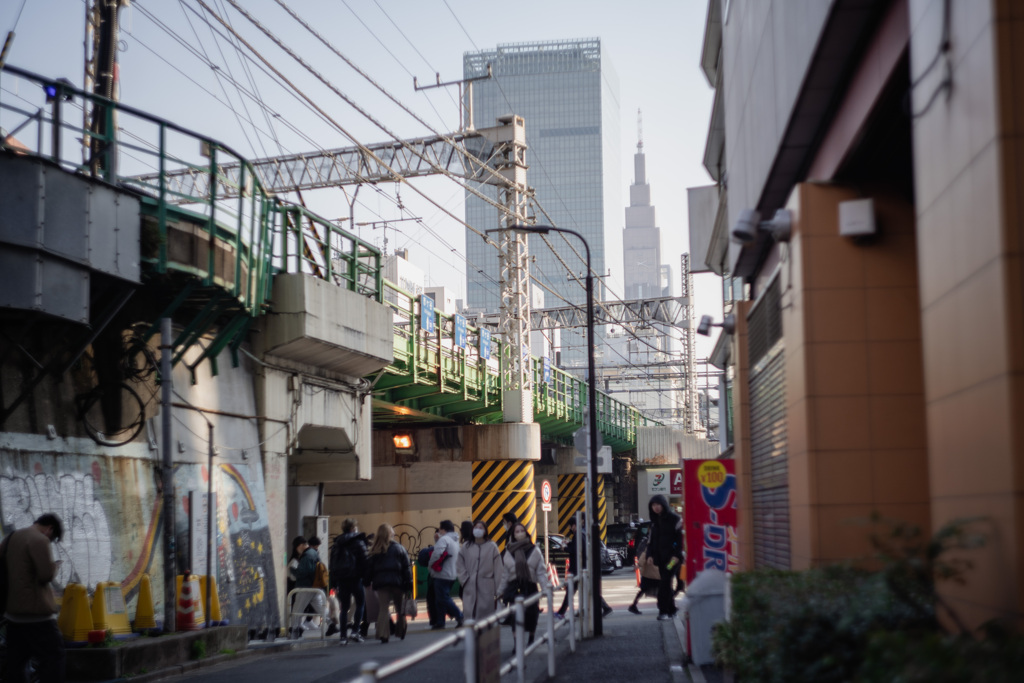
567 92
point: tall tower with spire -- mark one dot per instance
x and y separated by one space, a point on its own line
645 363
644 275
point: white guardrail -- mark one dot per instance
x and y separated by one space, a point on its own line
482 639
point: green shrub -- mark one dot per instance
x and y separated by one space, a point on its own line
198 649
806 626
845 624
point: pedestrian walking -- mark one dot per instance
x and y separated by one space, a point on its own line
648 573
305 577
479 569
666 550
442 570
508 521
466 532
570 547
32 632
389 572
523 573
348 566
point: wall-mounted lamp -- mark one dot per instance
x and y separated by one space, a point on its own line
749 225
728 325
404 444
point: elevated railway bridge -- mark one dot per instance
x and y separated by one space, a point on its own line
285 331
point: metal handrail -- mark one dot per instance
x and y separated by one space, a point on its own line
371 671
254 223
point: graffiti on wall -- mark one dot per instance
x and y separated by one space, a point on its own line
245 563
86 546
112 516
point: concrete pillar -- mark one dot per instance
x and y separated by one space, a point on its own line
503 456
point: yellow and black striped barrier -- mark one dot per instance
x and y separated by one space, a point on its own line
572 498
501 486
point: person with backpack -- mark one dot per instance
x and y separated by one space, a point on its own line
348 566
389 572
306 576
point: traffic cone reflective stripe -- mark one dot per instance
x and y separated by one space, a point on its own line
189 615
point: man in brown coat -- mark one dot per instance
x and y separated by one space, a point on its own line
31 610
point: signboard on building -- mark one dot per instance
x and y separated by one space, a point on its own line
427 314
675 482
659 482
485 343
710 515
460 331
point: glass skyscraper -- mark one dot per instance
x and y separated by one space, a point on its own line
568 94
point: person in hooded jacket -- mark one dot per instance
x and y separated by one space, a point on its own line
666 550
479 569
524 573
348 566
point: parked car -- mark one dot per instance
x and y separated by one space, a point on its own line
624 538
558 553
610 560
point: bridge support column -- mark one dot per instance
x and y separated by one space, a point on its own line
572 498
503 456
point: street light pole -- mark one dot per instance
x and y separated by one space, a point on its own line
595 535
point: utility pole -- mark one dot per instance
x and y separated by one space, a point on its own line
465 86
101 77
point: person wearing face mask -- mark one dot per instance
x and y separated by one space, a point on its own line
479 569
524 573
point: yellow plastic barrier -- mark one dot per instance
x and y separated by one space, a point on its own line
75 618
214 599
108 609
145 613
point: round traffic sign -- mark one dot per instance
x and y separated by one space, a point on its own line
545 491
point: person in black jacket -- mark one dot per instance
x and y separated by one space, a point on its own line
508 522
348 566
666 549
570 547
388 570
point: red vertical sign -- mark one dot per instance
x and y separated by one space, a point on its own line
710 516
675 482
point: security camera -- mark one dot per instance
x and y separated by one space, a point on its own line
781 225
745 230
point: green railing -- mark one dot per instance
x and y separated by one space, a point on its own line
443 373
243 239
246 238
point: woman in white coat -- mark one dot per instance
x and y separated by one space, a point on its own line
479 569
524 574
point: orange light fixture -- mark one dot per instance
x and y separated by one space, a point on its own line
403 442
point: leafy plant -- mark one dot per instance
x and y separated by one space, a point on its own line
842 623
198 649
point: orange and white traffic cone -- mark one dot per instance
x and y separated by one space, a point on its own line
189 614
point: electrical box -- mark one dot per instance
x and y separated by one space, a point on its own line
857 217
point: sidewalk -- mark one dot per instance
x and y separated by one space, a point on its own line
633 648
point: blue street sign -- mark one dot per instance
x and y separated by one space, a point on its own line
485 343
427 314
547 370
460 331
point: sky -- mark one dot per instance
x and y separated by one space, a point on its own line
167 47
